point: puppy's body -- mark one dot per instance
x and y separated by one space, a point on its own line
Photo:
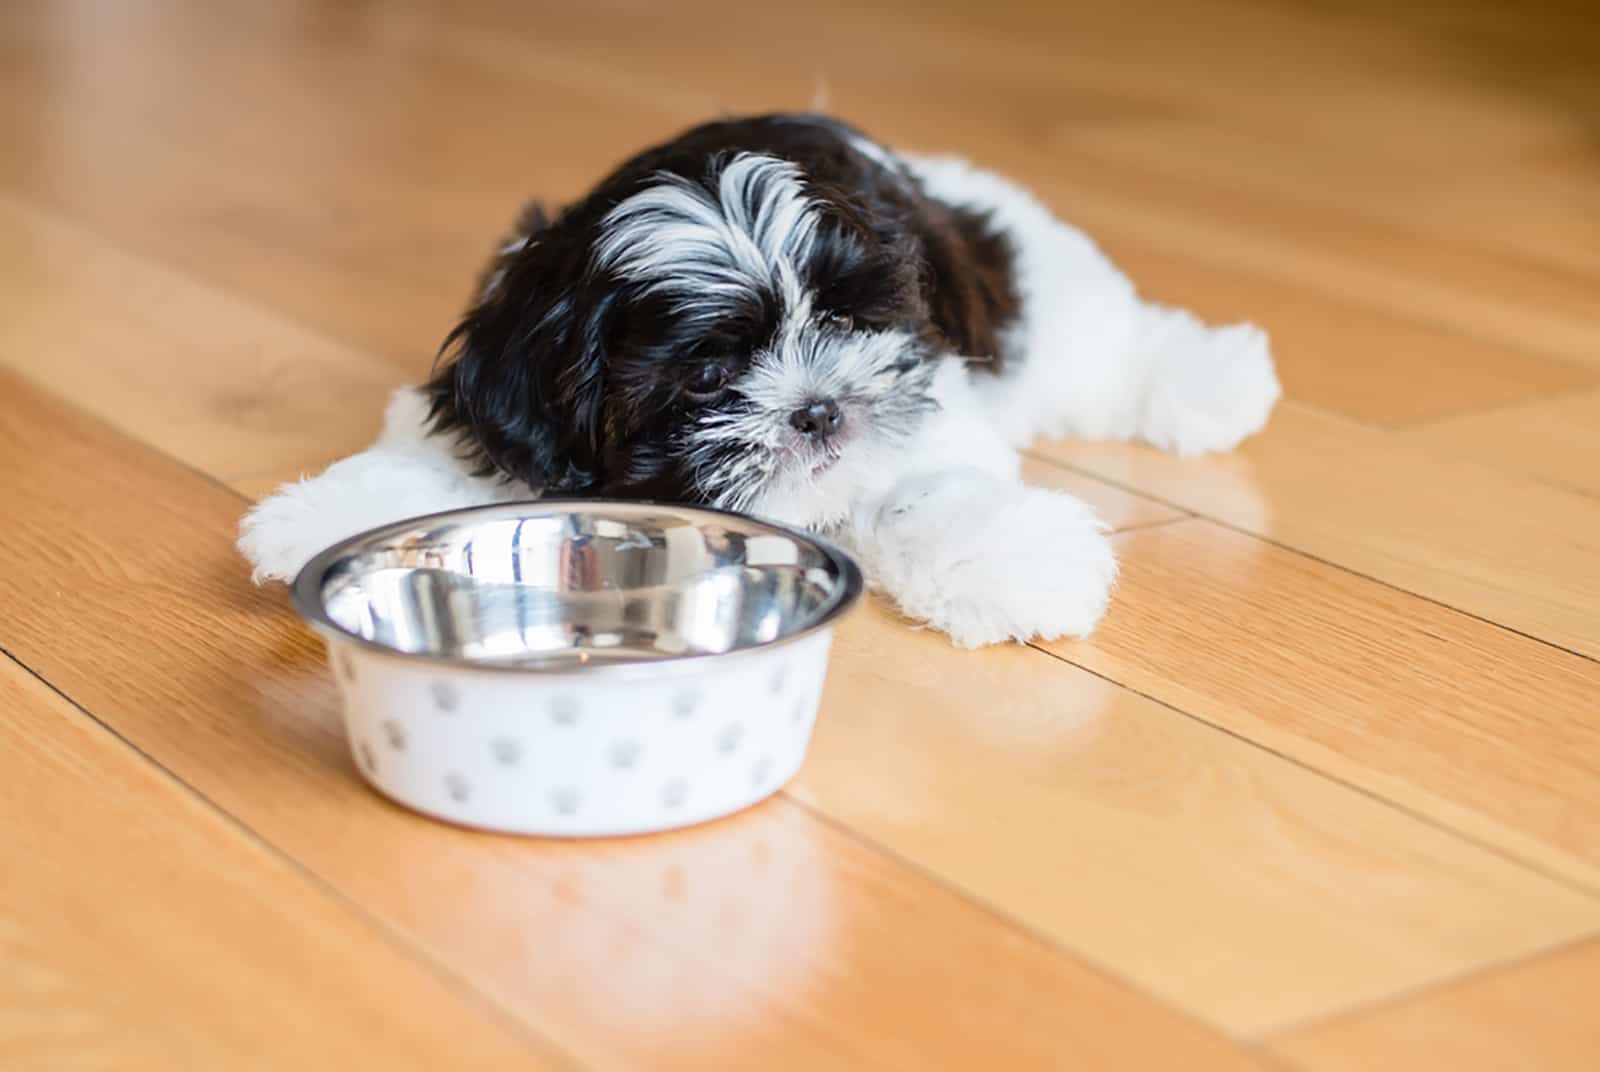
781 316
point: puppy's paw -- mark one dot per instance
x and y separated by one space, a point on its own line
284 531
1040 570
987 563
1211 387
383 484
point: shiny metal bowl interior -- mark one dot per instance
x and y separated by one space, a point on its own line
556 584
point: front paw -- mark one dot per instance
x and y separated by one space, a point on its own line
283 532
995 563
1211 387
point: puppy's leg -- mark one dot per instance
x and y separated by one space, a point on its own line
986 560
404 474
1088 357
957 541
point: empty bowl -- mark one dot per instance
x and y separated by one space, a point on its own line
578 667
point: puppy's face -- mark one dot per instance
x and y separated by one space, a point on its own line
746 340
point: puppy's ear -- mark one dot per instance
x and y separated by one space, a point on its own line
521 378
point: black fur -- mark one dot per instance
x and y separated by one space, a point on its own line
575 381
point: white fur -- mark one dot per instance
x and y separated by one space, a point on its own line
1096 361
404 474
958 435
986 560
940 519
772 471
680 240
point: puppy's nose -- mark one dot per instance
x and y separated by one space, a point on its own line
817 420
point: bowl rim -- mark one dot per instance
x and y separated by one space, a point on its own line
305 592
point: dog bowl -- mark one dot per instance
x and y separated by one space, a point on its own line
578 668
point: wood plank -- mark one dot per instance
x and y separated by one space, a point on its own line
1556 441
1118 508
140 930
996 98
224 384
1422 189
773 938
328 161
1209 871
1533 1015
1374 365
1488 732
253 209
1522 555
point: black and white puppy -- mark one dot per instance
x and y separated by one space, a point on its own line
780 316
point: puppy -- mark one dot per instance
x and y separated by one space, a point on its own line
779 315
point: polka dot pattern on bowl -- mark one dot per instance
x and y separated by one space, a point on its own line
507 751
446 697
685 702
517 753
565 709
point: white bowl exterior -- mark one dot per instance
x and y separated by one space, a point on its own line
584 752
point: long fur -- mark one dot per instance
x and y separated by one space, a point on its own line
667 336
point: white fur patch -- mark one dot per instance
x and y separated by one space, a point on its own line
987 561
681 239
753 457
1088 357
406 473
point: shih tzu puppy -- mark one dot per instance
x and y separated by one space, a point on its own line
779 315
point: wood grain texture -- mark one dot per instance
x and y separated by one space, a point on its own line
1049 68
773 939
1378 366
334 154
1118 508
1539 1014
227 386
1205 868
140 930
1409 517
310 199
1555 441
1488 732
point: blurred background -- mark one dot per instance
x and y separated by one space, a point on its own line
1401 193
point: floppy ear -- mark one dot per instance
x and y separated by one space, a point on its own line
522 375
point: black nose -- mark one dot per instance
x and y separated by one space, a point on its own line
817 420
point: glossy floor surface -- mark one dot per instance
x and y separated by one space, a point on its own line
1323 792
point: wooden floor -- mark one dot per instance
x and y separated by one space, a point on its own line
1323 793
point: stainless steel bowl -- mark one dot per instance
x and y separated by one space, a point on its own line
578 667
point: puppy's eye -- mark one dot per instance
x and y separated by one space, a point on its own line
839 321
708 380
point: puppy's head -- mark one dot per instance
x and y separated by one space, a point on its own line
740 337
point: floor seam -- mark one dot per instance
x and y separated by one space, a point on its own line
1541 398
1424 990
391 936
1559 878
1105 972
1200 515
